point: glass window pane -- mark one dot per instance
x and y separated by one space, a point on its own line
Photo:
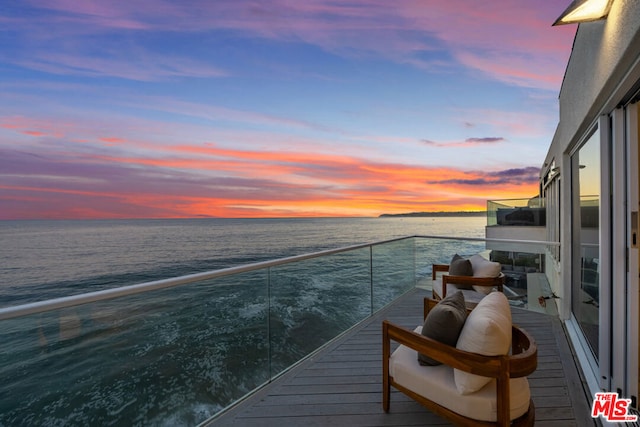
585 281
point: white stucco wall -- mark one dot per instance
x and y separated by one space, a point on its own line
604 54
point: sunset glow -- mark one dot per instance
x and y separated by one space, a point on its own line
170 109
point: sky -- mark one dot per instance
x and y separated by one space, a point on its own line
235 108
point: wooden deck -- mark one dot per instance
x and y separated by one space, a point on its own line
342 384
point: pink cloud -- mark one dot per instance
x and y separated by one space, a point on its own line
9 125
114 14
33 133
516 69
113 140
523 124
32 127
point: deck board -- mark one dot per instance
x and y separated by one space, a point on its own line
342 384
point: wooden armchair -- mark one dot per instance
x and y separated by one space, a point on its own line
471 286
504 401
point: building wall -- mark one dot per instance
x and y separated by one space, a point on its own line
603 55
603 68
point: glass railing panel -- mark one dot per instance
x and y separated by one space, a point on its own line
315 300
431 251
180 355
492 208
175 356
520 212
393 270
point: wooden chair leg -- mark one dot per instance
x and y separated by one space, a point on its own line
386 386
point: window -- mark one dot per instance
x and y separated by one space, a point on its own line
551 194
585 279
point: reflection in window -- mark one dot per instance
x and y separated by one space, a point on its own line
585 288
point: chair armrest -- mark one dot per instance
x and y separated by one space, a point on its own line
438 267
427 305
524 353
498 281
517 365
487 366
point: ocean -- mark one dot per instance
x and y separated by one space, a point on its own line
177 356
48 259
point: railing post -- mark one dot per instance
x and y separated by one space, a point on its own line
371 277
415 262
269 337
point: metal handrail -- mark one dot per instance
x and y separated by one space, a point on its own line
107 294
484 239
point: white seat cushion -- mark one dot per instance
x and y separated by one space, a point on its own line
437 384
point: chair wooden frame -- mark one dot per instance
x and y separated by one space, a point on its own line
522 361
489 282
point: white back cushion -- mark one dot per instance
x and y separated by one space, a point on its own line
482 267
487 331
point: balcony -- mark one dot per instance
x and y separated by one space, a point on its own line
341 385
184 350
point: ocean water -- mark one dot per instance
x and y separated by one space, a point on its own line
47 259
177 356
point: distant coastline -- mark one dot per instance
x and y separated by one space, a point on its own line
436 214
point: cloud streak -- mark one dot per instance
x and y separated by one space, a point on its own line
466 143
526 176
245 184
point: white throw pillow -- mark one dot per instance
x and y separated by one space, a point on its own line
482 267
487 331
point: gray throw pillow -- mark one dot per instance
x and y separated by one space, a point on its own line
444 323
460 266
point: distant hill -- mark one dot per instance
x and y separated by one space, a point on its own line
436 214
